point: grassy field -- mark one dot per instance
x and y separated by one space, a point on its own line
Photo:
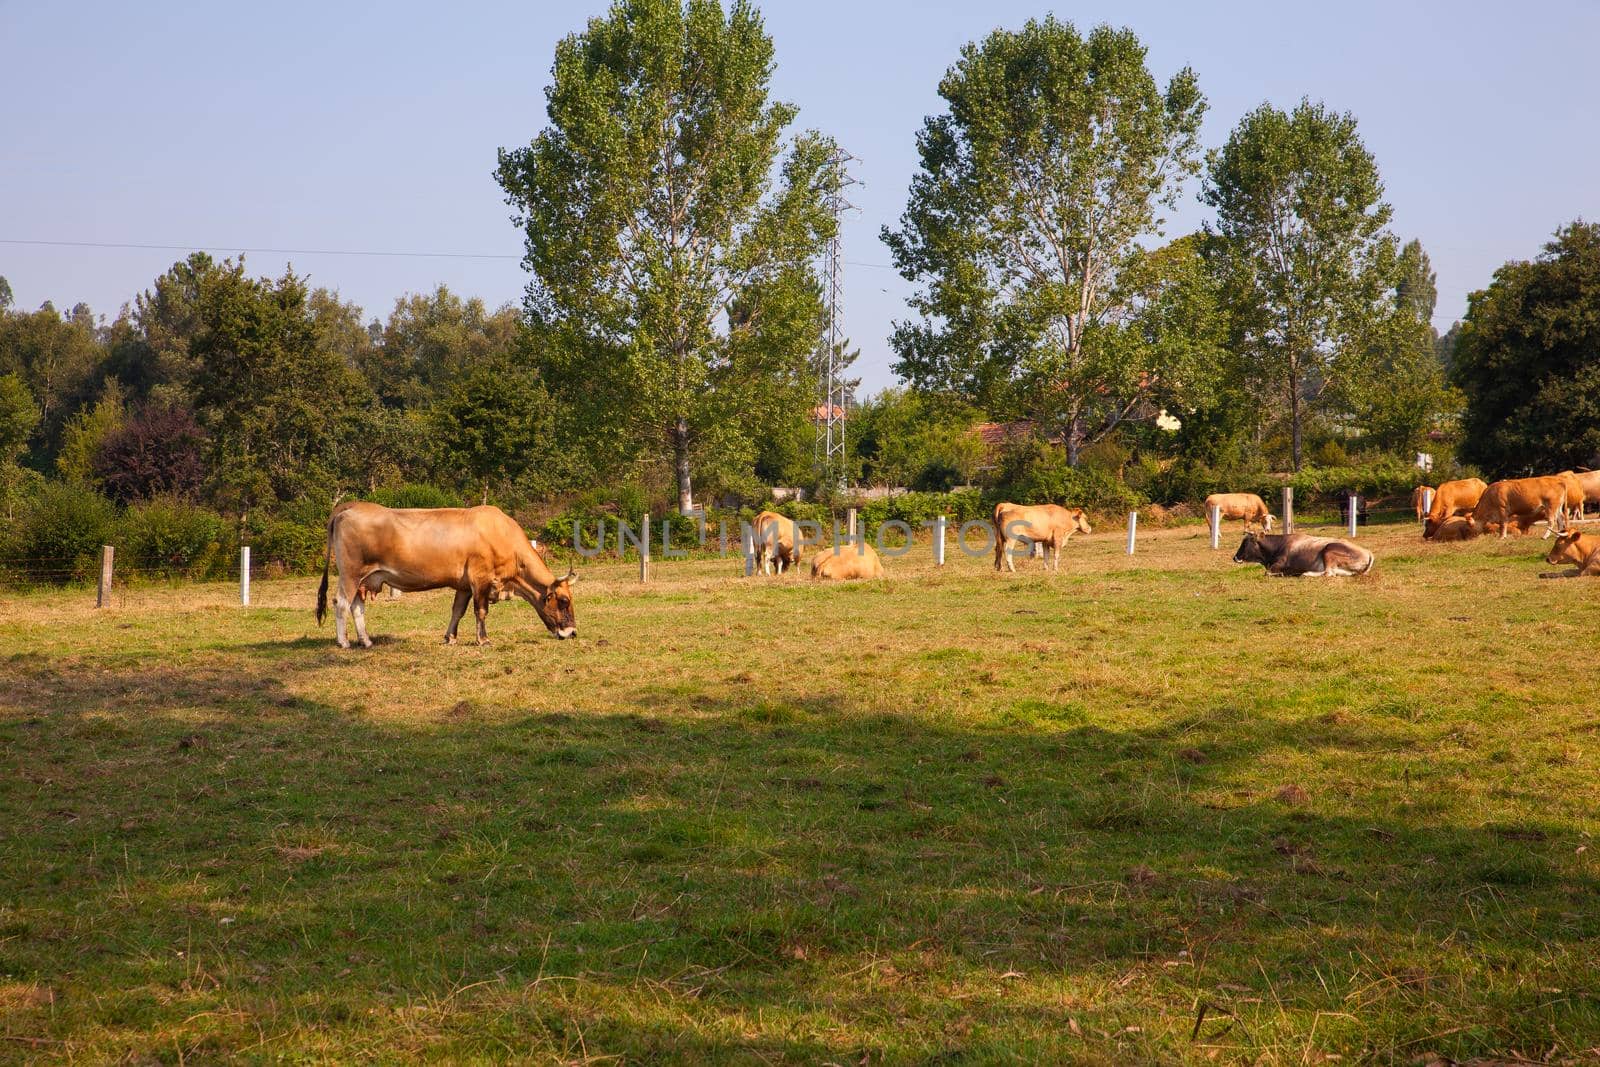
1150 809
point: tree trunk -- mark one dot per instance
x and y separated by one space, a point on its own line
680 456
1294 417
1074 440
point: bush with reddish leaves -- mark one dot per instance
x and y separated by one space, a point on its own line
156 453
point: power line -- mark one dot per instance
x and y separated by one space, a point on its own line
310 251
261 251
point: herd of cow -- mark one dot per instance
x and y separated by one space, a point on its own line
484 555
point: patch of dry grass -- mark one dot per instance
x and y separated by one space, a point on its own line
1158 808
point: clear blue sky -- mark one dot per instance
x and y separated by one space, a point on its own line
374 127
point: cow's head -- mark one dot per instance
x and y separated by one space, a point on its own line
1267 522
1430 526
1250 550
1566 550
1080 520
555 607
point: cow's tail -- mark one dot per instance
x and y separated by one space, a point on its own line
1372 559
327 562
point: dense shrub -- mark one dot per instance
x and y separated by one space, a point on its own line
915 509
296 547
172 537
60 535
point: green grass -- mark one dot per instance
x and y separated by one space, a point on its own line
948 817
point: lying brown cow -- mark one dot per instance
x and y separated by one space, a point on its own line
1455 528
1247 506
1453 498
1579 548
479 552
1523 501
1047 524
1298 555
843 562
1419 496
777 542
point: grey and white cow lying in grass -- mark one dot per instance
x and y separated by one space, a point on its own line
1299 555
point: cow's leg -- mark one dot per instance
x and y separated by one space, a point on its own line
480 608
1009 546
1055 555
359 610
344 602
456 611
340 606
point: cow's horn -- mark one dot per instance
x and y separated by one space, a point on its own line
572 576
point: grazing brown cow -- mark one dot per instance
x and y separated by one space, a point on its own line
855 559
1247 506
1579 548
479 552
1523 501
1455 528
1047 524
778 543
1453 498
1418 496
1299 555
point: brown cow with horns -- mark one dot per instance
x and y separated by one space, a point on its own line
479 552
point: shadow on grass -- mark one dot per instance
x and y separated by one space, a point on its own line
713 878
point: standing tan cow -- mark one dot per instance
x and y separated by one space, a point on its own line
479 552
1048 524
1419 497
1453 498
843 562
1583 489
777 542
1247 506
1523 501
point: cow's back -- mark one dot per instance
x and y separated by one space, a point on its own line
1462 494
436 546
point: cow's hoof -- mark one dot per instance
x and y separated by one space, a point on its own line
344 644
365 643
449 639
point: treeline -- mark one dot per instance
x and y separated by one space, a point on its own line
1059 344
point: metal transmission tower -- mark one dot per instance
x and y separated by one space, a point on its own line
831 413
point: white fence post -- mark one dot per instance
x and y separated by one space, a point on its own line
1215 519
103 598
850 526
1352 522
644 550
1288 509
938 541
1133 530
1427 502
244 576
747 542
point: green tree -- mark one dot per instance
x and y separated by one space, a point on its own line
1025 224
1301 240
268 393
1394 388
492 426
672 279
86 431
431 340
59 357
1528 361
18 416
150 345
